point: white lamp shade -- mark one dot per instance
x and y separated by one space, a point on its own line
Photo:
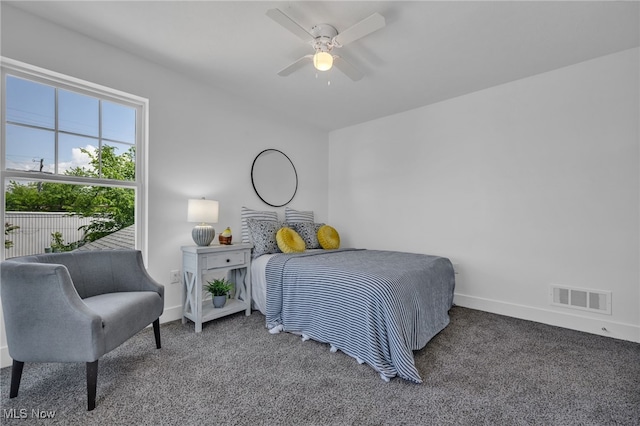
202 211
323 61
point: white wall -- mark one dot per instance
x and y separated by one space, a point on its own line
202 140
523 185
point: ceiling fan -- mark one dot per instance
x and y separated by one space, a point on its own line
324 38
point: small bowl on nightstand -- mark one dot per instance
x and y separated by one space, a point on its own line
225 241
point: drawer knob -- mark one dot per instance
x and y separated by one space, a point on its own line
228 260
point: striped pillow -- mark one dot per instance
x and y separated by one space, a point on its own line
257 215
295 216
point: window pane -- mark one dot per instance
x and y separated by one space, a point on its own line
86 217
72 160
118 161
30 103
77 113
118 122
84 130
30 149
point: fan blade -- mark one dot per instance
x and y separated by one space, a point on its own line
295 66
349 70
361 29
289 24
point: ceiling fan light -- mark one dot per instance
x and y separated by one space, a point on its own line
323 61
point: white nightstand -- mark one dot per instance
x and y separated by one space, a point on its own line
199 261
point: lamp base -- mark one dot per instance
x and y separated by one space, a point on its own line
203 234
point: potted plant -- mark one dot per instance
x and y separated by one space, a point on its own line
219 289
57 242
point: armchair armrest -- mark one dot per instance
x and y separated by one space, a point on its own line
131 274
45 318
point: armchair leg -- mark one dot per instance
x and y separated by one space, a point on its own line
156 332
16 376
92 382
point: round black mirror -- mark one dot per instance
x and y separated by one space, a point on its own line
274 177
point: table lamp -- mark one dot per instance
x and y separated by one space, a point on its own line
204 212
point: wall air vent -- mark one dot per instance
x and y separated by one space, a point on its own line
581 298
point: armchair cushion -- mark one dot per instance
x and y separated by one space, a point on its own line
124 314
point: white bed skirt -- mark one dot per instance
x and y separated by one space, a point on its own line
259 282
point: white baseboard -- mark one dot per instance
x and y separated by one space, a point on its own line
5 359
601 326
170 314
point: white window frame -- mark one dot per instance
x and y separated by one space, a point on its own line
20 69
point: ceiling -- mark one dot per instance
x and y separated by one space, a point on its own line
428 52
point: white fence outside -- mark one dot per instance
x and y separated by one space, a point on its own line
36 228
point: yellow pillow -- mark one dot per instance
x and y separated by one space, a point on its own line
328 238
289 241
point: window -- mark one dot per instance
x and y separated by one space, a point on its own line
73 157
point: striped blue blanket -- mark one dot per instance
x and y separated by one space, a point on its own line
376 306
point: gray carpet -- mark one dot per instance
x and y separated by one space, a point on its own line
482 369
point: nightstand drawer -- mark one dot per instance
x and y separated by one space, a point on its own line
222 260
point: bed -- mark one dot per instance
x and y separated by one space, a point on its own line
375 306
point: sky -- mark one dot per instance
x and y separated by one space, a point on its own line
82 121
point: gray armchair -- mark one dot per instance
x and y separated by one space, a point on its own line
76 307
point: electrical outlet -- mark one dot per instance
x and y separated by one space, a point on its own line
174 276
